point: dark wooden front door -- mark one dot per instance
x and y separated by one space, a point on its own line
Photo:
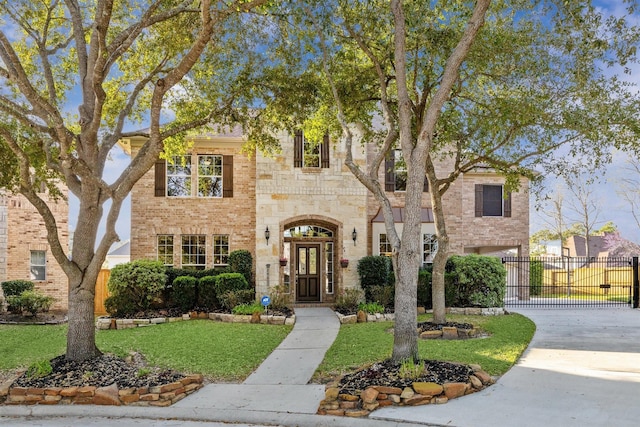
308 273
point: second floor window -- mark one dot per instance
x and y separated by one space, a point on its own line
492 201
395 172
211 177
309 154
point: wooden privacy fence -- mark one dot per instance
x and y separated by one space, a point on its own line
101 292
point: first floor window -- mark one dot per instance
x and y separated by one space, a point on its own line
165 249
385 246
220 249
194 251
328 254
429 248
38 265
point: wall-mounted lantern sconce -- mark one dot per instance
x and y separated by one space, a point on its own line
267 234
354 236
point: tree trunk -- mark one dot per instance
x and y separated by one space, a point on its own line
405 334
81 343
440 259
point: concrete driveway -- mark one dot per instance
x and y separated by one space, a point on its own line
582 369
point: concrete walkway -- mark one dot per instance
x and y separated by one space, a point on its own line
581 369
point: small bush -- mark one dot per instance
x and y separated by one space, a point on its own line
248 308
241 261
230 282
412 370
183 292
536 271
371 307
16 287
32 302
39 369
207 292
424 289
373 270
348 300
479 281
383 295
280 299
140 281
119 306
231 299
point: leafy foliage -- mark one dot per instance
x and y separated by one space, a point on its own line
207 297
230 282
31 301
248 308
371 307
183 292
241 261
536 273
373 270
479 281
136 285
16 287
347 300
231 299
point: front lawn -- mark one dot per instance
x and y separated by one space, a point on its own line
225 352
365 343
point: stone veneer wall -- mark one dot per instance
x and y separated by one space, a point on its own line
24 231
285 193
3 238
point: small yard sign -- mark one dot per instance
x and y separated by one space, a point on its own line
265 300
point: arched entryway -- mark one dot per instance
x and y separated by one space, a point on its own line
309 245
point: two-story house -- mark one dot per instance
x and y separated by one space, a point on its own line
25 253
300 212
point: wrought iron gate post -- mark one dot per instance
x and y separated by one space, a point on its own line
636 284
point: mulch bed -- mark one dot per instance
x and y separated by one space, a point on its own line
387 373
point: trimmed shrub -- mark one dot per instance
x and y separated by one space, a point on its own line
119 306
207 292
383 295
373 270
140 282
536 271
424 289
241 261
183 292
479 281
16 287
226 282
231 299
348 300
33 302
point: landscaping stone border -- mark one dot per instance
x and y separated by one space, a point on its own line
362 317
105 322
420 393
162 395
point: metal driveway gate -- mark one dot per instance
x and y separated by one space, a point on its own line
571 282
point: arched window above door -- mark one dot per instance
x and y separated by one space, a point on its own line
308 231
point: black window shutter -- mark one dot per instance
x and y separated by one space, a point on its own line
507 205
389 172
160 178
298 149
479 191
324 151
227 176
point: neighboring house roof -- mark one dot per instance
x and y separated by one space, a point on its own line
123 249
607 245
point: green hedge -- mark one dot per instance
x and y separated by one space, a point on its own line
478 281
183 292
373 270
536 272
241 261
135 286
207 297
16 287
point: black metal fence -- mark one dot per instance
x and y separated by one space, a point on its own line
571 282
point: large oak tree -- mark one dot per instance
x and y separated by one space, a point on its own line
75 75
498 84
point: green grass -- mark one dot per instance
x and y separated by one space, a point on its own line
220 351
365 343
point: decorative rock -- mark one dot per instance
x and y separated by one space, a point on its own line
348 397
107 395
348 405
69 392
431 335
453 390
475 382
351 319
449 332
384 403
440 400
417 400
335 412
475 368
395 398
473 311
427 388
369 395
421 310
407 393
290 320
331 394
361 317
141 322
103 323
484 377
388 390
86 391
371 406
372 317
241 318
356 413
157 320
277 320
